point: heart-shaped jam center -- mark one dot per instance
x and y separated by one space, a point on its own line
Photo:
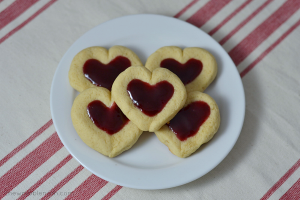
150 99
109 119
189 119
104 75
186 72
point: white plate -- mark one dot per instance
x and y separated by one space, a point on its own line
149 164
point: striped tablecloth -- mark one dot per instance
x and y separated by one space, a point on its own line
261 36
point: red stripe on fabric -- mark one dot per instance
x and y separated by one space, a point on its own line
185 8
263 31
229 17
45 177
26 142
227 37
14 10
88 188
207 12
293 193
29 164
27 21
112 193
267 51
281 180
62 183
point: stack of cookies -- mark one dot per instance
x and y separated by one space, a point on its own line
120 98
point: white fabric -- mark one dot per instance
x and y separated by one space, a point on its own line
266 149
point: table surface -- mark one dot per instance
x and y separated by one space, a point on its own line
261 37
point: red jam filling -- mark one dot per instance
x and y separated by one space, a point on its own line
104 75
150 99
109 119
187 72
189 119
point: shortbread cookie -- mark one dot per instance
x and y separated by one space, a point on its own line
193 125
97 66
195 67
149 99
101 124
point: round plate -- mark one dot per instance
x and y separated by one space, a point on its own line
149 164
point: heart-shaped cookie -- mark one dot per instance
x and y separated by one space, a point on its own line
195 67
97 66
149 99
101 124
193 125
